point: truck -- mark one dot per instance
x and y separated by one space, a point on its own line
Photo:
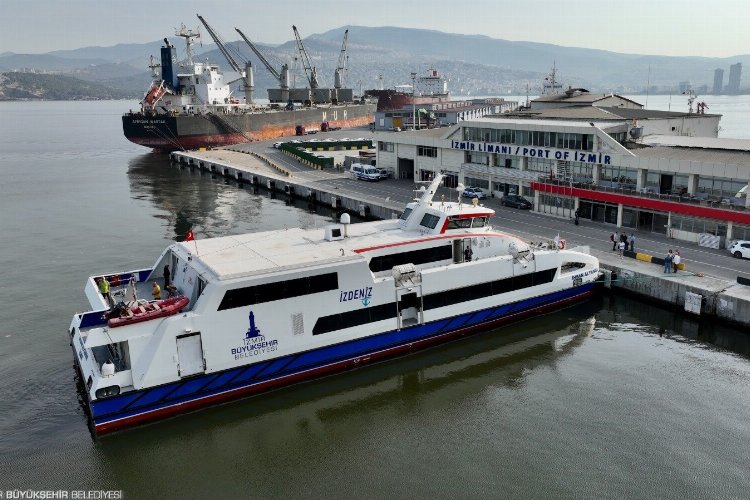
326 127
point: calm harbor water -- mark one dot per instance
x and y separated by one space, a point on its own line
613 398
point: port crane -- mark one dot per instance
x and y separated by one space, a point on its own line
339 76
283 77
246 75
310 71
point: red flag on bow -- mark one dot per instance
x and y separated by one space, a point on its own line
190 236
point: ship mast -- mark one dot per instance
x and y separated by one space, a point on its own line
188 35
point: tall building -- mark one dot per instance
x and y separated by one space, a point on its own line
718 81
735 74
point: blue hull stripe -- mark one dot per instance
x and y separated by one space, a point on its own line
147 400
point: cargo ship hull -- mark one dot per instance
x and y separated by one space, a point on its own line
174 132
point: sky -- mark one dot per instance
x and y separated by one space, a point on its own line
709 28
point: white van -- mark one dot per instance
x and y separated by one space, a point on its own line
364 172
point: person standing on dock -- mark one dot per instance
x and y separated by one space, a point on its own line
668 262
615 238
621 248
676 260
632 242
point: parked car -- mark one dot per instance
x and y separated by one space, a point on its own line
474 192
515 201
277 145
384 173
740 249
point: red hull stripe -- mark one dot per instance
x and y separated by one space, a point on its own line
232 394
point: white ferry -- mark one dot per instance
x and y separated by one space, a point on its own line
264 310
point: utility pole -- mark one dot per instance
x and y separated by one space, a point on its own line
414 101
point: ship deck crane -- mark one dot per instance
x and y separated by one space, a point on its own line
339 76
310 71
283 77
220 44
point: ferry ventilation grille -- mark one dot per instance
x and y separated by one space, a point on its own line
298 326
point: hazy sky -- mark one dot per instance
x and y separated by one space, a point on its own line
713 28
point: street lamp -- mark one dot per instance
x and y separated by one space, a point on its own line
414 101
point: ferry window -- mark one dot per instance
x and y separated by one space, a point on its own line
479 222
429 220
270 292
456 223
350 319
473 292
416 257
406 214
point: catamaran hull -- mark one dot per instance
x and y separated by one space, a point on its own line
147 405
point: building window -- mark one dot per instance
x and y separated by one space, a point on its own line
478 158
427 151
385 146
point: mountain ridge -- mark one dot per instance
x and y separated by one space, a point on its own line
475 64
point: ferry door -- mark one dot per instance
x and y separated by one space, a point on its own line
409 302
459 250
190 355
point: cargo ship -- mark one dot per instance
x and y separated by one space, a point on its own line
430 88
192 104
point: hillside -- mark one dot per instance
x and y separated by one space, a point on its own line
19 86
473 64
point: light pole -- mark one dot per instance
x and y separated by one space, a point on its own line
414 101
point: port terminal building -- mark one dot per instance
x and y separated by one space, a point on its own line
609 159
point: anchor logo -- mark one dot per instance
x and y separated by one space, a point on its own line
253 331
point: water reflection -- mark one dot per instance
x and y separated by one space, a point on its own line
421 382
703 332
188 197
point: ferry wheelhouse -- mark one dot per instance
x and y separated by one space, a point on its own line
263 310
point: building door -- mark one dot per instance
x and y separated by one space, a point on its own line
450 180
665 184
405 168
190 355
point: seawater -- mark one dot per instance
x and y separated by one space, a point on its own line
612 398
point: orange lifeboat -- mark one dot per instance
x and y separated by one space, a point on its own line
154 93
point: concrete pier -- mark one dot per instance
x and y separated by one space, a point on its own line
258 169
706 296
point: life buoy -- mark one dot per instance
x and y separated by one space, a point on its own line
561 244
